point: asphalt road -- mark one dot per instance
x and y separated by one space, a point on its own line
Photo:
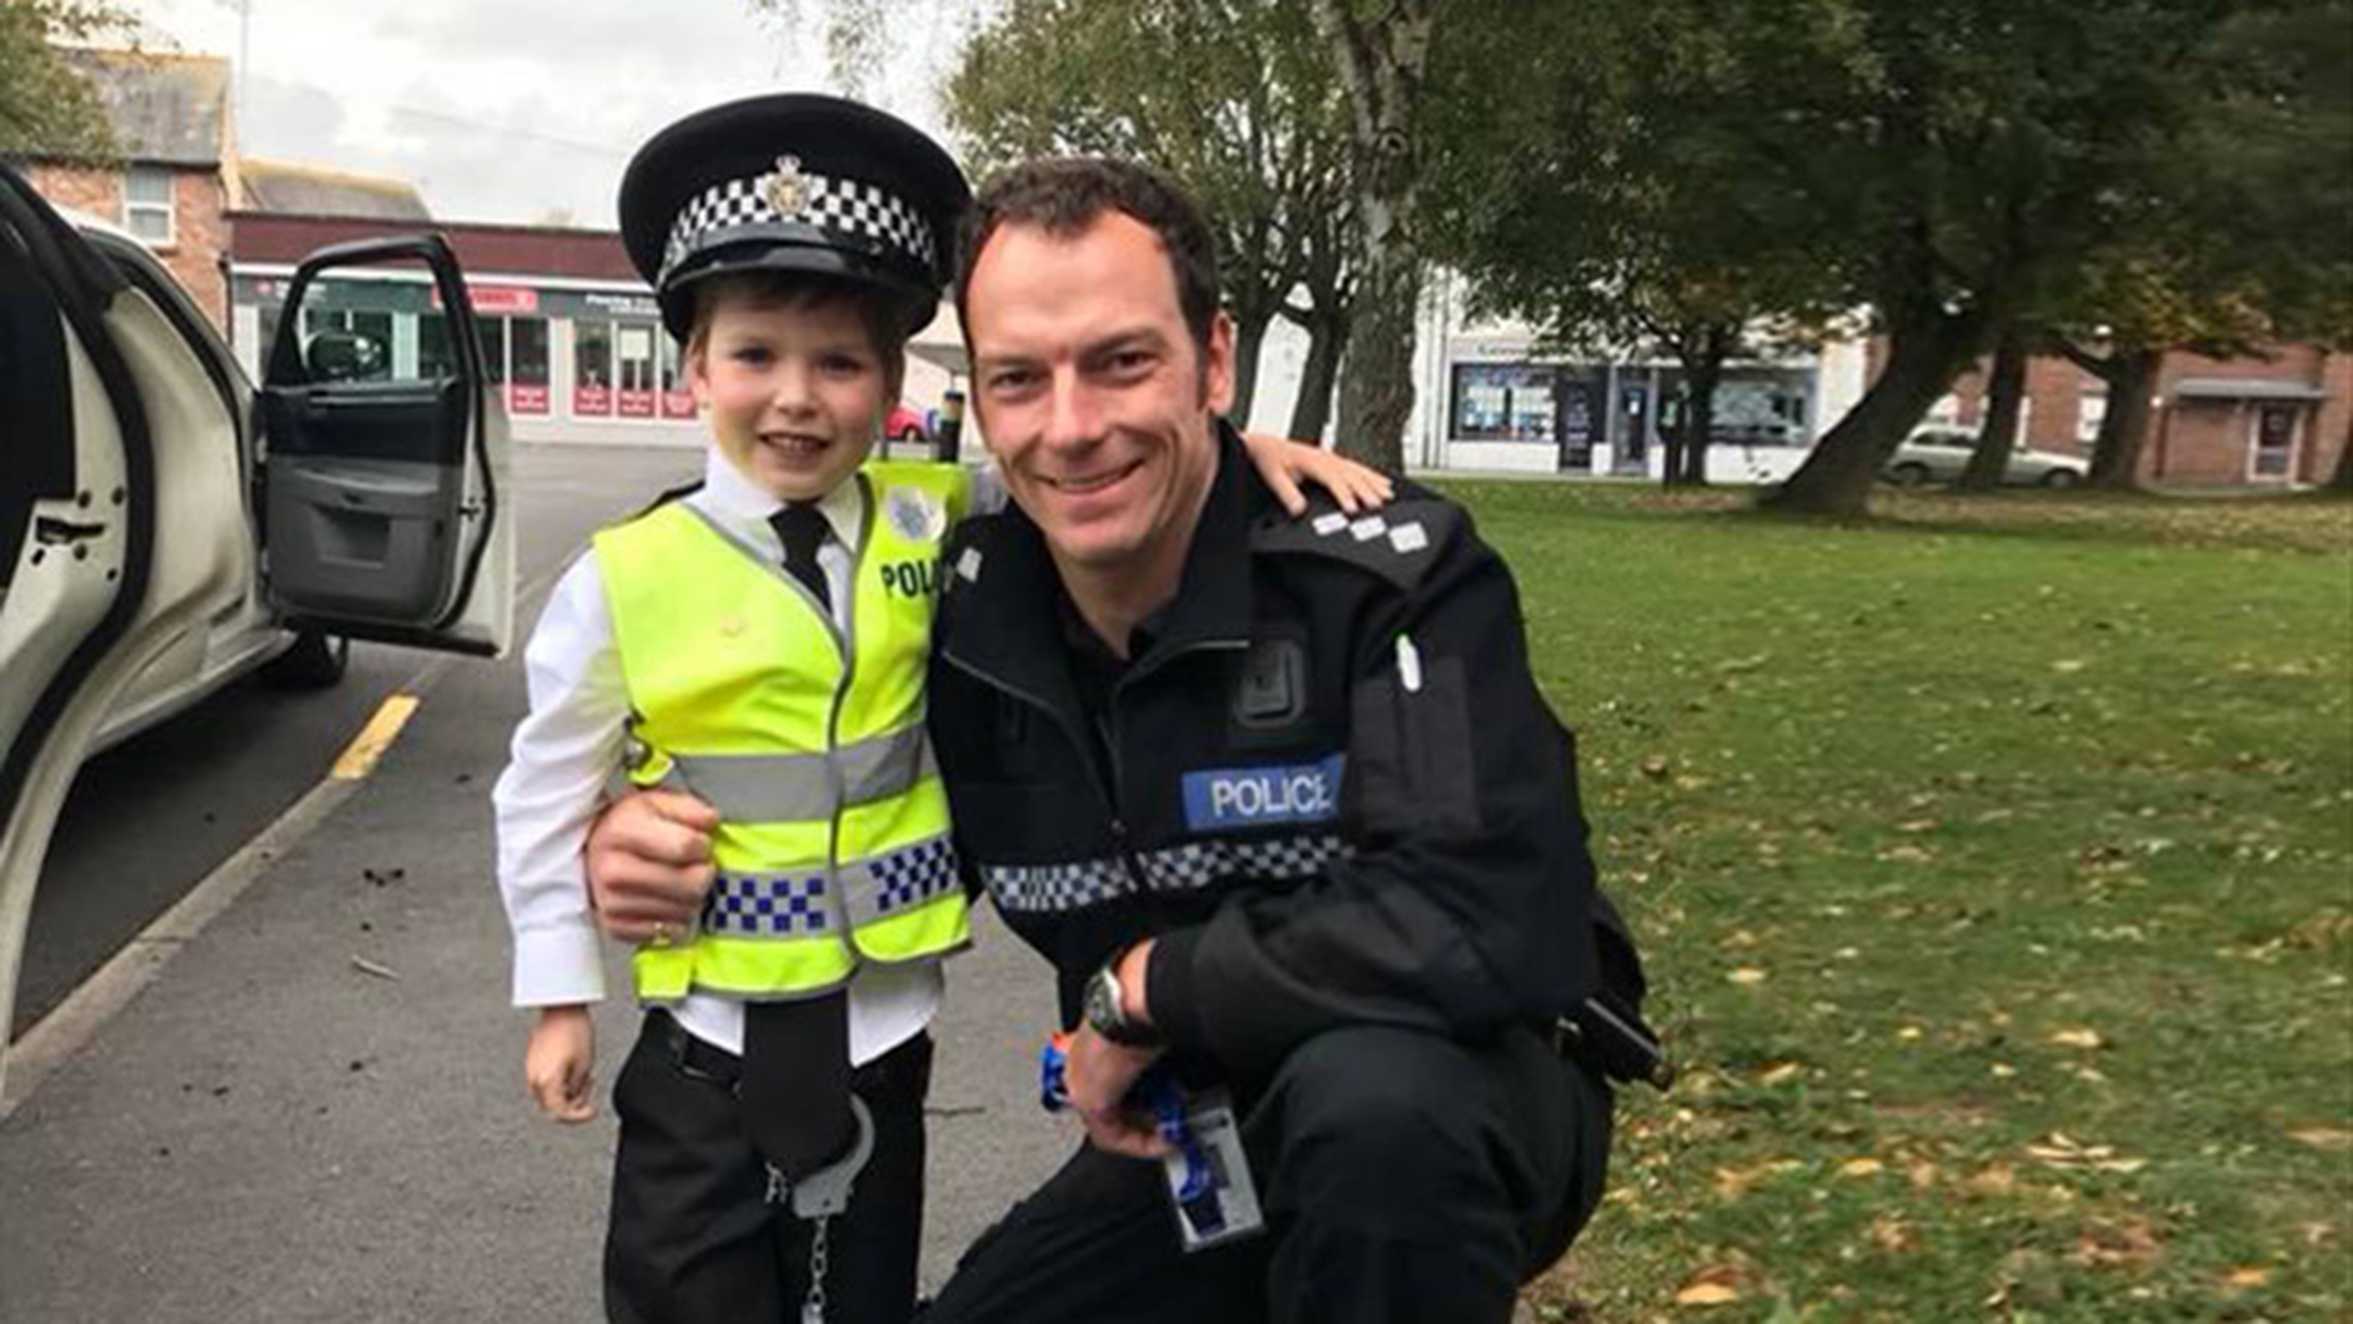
271 1131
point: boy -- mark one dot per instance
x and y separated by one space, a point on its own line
761 644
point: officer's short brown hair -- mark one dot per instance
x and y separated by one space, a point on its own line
1066 194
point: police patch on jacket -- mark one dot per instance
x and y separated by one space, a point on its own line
1224 799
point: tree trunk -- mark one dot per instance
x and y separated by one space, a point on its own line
1381 62
2343 481
1923 354
1249 339
1671 473
1998 437
1701 377
1325 339
2124 428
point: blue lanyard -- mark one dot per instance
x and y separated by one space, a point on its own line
1155 1089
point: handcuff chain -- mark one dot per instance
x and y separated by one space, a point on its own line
813 1305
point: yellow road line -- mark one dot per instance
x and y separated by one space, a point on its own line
359 757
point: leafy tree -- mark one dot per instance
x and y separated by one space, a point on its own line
1575 197
1232 98
47 107
1967 154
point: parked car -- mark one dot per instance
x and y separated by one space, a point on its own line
905 424
1939 454
167 526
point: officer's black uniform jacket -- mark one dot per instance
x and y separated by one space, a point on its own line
1313 840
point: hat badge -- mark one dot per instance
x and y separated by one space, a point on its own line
787 189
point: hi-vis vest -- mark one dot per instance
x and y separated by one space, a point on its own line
832 846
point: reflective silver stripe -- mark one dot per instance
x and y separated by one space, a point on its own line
886 766
797 788
1188 867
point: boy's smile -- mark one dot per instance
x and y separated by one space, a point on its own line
796 391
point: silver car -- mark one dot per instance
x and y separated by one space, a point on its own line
1939 454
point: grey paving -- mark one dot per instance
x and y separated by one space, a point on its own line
272 1133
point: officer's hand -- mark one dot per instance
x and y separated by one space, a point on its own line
559 1064
649 864
1099 1074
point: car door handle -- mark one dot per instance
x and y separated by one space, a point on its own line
51 532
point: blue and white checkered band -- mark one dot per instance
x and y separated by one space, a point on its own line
912 876
1184 868
723 212
766 906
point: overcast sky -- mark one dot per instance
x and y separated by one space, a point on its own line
517 110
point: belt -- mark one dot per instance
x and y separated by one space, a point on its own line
899 1068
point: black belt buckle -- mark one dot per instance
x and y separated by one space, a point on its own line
1620 1047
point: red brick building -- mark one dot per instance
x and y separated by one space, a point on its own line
2281 419
171 121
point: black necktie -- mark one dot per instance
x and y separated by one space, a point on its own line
795 1092
801 528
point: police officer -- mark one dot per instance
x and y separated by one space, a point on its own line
1279 800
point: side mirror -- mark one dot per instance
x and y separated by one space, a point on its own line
345 356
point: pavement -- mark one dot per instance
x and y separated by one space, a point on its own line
315 1109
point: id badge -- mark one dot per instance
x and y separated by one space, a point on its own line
1209 1183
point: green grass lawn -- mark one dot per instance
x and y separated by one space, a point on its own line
1993 860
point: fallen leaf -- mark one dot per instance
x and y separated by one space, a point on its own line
1924 1175
2248 1275
2069 665
2109 1244
1893 1234
2323 1137
1776 1075
1860 1167
1747 974
2078 1038
1655 766
1918 825
1707 1293
368 967
1908 1033
2000 1179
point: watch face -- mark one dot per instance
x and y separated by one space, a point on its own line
1103 1002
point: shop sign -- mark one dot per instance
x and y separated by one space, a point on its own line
527 398
637 404
622 305
498 300
592 399
678 404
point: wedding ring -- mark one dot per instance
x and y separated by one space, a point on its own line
662 934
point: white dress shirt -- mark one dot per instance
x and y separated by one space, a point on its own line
569 746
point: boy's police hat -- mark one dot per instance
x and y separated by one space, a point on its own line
794 182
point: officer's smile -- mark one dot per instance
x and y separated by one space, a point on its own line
1091 484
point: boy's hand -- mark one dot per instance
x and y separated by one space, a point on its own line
559 1064
649 864
1284 464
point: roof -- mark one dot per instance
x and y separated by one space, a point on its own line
276 238
284 188
167 109
2245 388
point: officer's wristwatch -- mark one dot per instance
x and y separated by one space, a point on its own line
1103 1011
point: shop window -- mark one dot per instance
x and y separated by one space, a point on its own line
491 333
437 358
634 361
147 204
1503 402
677 396
527 365
592 367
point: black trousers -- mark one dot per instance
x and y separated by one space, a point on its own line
1405 1178
692 1237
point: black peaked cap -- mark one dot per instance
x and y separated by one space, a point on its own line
793 182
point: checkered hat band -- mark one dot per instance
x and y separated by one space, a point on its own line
767 906
1186 868
723 212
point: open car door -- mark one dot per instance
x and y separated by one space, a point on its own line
384 474
112 545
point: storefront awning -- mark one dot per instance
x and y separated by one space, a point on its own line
948 354
2244 388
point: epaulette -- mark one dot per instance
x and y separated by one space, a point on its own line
1399 542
